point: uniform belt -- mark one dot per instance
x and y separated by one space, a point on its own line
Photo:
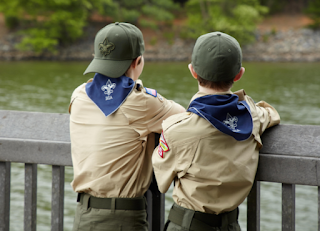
138 203
202 221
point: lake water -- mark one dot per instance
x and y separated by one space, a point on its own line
292 88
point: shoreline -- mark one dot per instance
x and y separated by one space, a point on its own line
295 45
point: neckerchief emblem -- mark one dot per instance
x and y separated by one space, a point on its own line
107 89
106 47
231 122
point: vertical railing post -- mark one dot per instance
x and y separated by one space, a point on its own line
288 207
57 202
30 197
155 201
318 208
5 175
156 207
253 208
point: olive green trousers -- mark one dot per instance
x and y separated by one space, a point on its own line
93 219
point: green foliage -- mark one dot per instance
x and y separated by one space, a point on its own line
153 40
313 10
48 24
149 13
235 17
275 6
37 40
169 36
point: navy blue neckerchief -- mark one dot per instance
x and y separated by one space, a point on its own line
225 113
109 93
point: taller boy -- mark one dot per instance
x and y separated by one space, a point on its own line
112 117
212 150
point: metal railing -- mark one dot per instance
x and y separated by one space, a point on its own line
290 155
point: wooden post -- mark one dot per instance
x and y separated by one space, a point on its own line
30 197
288 207
5 175
57 202
253 208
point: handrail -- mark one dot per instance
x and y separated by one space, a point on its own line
290 155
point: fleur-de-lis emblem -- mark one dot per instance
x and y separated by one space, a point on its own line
107 89
231 121
106 47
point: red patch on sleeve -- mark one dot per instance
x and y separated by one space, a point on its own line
163 146
160 151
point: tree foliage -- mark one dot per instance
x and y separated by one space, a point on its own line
57 22
146 13
49 23
313 10
235 17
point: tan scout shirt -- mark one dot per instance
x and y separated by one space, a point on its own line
109 154
213 172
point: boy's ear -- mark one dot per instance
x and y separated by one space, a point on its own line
136 62
193 73
239 75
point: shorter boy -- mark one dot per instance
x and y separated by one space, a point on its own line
212 150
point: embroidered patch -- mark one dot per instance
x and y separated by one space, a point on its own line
151 91
160 151
107 89
231 122
106 47
163 146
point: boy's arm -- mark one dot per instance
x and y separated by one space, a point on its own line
268 116
163 161
160 109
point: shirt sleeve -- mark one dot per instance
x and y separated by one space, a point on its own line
163 162
159 109
268 116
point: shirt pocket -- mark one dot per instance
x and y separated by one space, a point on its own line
187 150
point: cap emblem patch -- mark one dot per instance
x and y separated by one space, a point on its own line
106 47
107 89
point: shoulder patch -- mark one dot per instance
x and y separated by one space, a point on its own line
151 92
163 146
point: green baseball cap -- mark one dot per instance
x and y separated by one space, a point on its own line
216 57
115 46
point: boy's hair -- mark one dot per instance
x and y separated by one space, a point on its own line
216 57
217 85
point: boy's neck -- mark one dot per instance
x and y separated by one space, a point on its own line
212 91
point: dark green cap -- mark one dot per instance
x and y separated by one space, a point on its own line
216 57
115 46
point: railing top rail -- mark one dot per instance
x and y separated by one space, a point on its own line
34 125
292 140
290 153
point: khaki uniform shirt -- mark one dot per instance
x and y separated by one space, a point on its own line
212 171
112 155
